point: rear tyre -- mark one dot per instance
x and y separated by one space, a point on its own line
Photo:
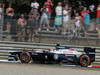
84 60
25 57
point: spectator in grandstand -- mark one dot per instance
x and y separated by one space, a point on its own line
44 20
32 25
78 24
78 21
48 5
92 11
98 14
66 19
10 12
1 20
10 18
21 28
35 17
59 16
85 17
1 13
34 4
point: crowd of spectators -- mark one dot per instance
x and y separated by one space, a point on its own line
67 18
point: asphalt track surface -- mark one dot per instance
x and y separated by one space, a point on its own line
36 69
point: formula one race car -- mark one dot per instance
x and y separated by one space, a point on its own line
61 54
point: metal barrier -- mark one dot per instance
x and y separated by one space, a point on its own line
6 47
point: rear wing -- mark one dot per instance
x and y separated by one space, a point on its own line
90 52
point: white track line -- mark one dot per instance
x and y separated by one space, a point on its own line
6 61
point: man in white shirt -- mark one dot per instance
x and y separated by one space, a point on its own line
35 4
92 7
58 9
59 16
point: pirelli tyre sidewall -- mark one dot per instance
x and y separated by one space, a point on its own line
84 60
25 57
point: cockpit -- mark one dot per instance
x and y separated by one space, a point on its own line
62 47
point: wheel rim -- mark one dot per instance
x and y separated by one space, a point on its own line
84 61
25 57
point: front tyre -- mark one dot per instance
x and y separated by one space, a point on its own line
84 60
25 57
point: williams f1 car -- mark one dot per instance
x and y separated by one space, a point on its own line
61 54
